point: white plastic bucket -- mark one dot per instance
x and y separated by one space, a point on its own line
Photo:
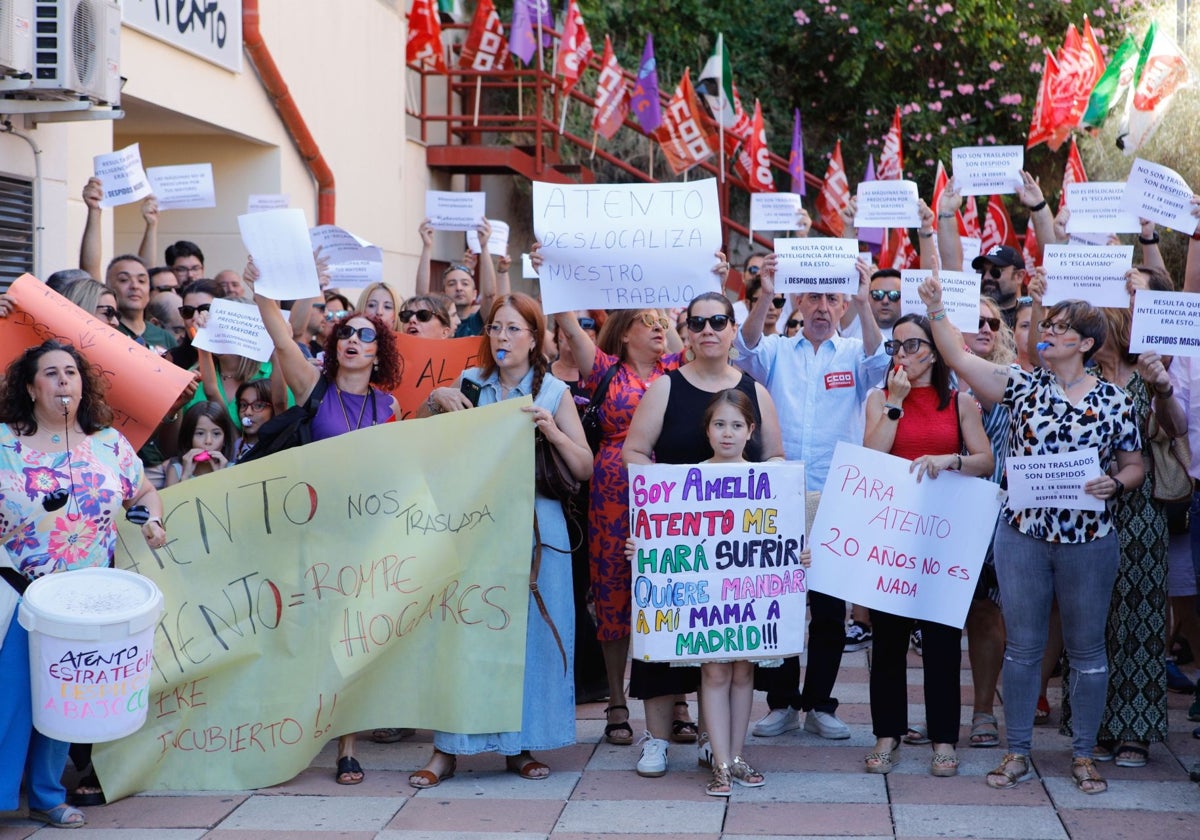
91 645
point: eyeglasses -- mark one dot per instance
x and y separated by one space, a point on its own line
108 312
367 334
422 315
188 311
909 346
717 322
992 323
994 272
337 316
257 405
651 320
512 330
1056 327
891 294
753 269
588 324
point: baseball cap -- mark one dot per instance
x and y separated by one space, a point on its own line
1001 255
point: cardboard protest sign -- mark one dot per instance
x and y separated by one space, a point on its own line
454 210
430 363
1038 481
960 295
626 246
1087 272
185 187
237 328
307 597
987 170
888 204
1096 207
1166 322
122 176
774 211
1159 194
717 573
142 385
884 541
820 265
353 261
278 241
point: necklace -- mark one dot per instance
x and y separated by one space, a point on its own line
56 438
346 415
1066 386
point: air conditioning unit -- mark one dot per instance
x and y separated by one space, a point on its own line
16 38
77 50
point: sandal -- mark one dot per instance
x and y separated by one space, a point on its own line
704 756
1103 751
984 730
1132 754
1042 714
744 774
611 730
684 731
1094 782
426 778
349 771
527 767
882 761
1007 778
721 783
64 816
917 736
943 764
88 793
391 736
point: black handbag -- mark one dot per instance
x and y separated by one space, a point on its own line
551 476
590 418
291 428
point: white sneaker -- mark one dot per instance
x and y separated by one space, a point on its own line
653 762
827 725
776 722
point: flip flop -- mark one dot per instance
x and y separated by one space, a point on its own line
917 735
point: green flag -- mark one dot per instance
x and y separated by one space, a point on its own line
1117 78
716 85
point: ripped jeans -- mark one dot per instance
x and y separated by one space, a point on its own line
1032 572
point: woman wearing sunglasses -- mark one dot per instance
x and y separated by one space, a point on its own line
427 316
918 416
664 430
1050 551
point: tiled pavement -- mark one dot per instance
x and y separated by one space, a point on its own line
815 788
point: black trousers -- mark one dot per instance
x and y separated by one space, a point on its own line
942 661
826 640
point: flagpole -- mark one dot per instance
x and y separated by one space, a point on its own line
595 135
541 59
721 141
478 93
650 143
562 123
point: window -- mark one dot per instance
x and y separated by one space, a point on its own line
16 229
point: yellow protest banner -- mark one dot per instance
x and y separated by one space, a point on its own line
380 578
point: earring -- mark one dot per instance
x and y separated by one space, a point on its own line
733 354
689 355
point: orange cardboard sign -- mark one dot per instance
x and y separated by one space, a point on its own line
430 363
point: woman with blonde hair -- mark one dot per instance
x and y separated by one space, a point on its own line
379 300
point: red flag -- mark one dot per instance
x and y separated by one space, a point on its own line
686 139
1040 127
1092 60
1073 174
998 227
898 251
1080 65
939 184
612 95
891 162
425 36
835 193
969 226
575 50
485 48
742 126
753 161
1030 248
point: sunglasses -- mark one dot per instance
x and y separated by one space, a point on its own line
55 501
993 323
651 320
257 405
367 334
337 316
879 294
108 312
994 272
163 288
189 311
778 301
754 269
588 324
320 307
909 346
422 315
1055 327
717 322
793 324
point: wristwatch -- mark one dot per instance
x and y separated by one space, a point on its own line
1120 486
893 412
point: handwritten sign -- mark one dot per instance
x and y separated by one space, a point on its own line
279 242
497 243
1053 481
987 170
1166 322
816 265
1159 194
454 210
305 600
960 295
884 541
260 202
237 328
1087 272
626 246
121 174
430 363
353 261
717 573
141 384
1096 207
775 211
185 187
888 204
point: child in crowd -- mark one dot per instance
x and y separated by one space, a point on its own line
206 439
254 408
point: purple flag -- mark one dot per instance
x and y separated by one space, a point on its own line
645 93
796 158
522 38
872 236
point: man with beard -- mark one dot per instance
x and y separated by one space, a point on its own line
1003 270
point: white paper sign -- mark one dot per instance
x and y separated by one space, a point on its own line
774 211
626 246
717 573
972 247
960 295
497 242
279 242
260 202
122 176
882 540
1088 239
1087 272
888 204
987 170
1097 207
235 327
821 265
353 261
454 210
1055 481
185 187
527 270
1160 195
1166 322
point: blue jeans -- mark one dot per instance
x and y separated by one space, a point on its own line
1032 573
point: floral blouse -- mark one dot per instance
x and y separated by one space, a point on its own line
104 471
